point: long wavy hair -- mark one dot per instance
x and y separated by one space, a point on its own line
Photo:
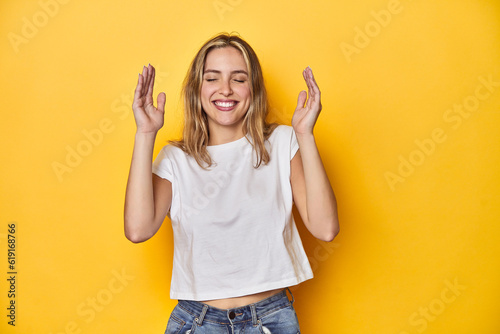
196 133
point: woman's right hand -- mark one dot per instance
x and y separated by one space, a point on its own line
148 118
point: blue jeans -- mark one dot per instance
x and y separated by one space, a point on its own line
274 315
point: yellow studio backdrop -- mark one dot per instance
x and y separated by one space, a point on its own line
408 135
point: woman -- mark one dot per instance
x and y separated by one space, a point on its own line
228 187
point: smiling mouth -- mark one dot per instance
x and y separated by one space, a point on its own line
225 104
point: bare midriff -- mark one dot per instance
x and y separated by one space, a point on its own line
235 302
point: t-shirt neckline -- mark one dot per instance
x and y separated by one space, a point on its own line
231 144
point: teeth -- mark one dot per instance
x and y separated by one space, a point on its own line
224 104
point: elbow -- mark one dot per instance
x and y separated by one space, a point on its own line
135 238
329 237
135 235
332 232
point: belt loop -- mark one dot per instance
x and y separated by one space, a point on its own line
254 314
202 315
291 294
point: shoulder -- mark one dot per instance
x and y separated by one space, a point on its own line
173 148
171 152
282 132
284 141
283 135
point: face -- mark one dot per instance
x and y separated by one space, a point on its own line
225 91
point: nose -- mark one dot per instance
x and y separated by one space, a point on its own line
225 88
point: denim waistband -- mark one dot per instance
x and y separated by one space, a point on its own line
250 312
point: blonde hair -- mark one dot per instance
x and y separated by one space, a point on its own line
195 133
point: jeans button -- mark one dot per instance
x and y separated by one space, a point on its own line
232 315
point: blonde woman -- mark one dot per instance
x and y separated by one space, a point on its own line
228 188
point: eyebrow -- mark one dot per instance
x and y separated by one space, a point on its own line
232 72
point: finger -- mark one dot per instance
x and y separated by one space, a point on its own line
138 88
148 81
161 102
314 84
306 78
314 92
148 90
144 81
301 100
310 89
152 81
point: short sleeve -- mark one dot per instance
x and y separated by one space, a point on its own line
294 144
162 165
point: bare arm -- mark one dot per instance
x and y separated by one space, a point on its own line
148 197
312 192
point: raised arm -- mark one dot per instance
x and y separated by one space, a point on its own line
148 197
312 193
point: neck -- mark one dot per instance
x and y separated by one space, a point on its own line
224 134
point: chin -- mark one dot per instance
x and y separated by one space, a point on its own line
229 123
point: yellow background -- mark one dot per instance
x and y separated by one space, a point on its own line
401 244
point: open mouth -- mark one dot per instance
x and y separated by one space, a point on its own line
225 104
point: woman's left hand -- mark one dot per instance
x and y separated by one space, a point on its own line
307 113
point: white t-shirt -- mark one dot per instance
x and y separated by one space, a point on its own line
234 232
